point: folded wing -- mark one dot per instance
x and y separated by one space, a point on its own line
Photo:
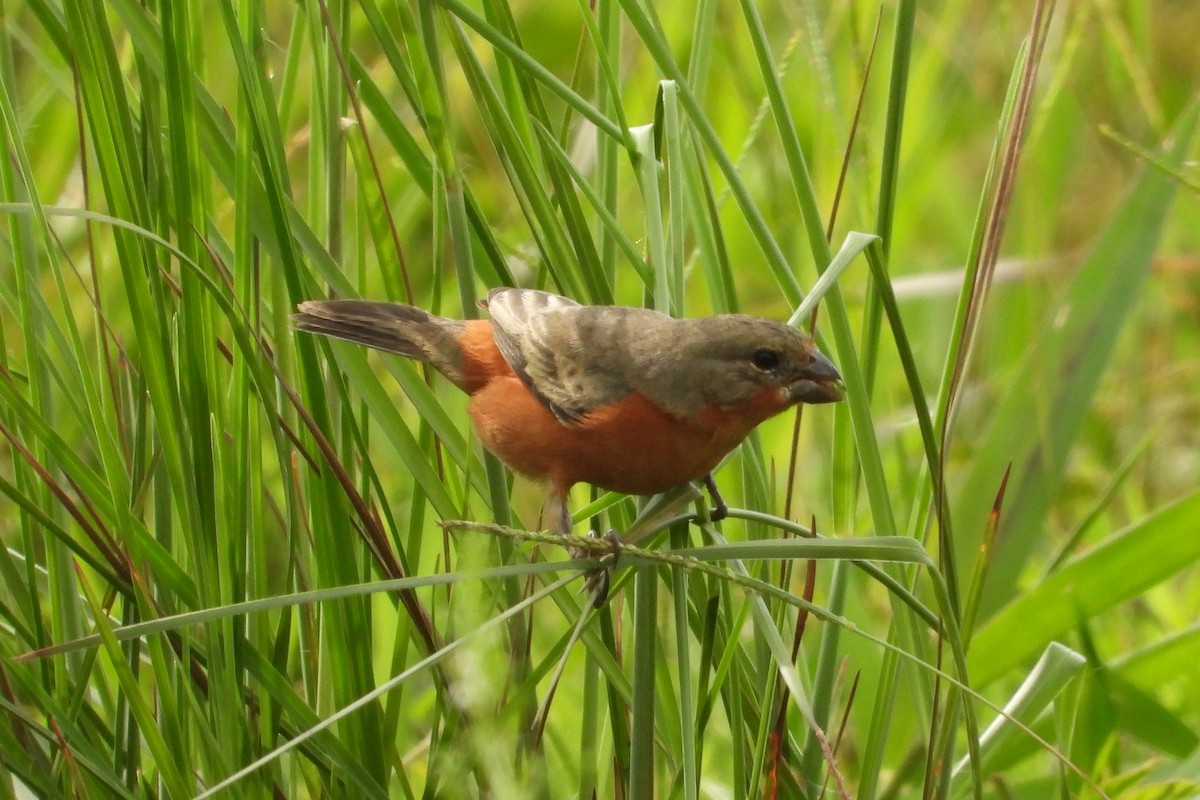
563 351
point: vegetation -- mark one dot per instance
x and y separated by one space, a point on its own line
225 568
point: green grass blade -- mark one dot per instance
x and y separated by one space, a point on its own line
1117 570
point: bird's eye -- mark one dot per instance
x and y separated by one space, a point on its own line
765 359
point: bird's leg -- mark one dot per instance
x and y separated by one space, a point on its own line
720 510
596 581
559 514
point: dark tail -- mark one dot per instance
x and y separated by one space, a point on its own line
392 327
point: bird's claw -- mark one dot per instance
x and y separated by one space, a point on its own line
597 580
720 509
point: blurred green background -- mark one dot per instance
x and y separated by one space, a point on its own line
215 499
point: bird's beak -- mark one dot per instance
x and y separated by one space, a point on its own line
819 382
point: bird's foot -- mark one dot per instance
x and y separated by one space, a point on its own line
719 510
597 580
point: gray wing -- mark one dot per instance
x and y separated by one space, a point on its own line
569 355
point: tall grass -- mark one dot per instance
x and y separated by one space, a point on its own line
226 568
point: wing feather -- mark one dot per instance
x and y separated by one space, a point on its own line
558 348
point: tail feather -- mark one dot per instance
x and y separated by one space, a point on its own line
384 326
392 327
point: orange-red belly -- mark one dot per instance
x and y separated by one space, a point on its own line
629 446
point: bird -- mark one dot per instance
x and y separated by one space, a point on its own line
626 399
